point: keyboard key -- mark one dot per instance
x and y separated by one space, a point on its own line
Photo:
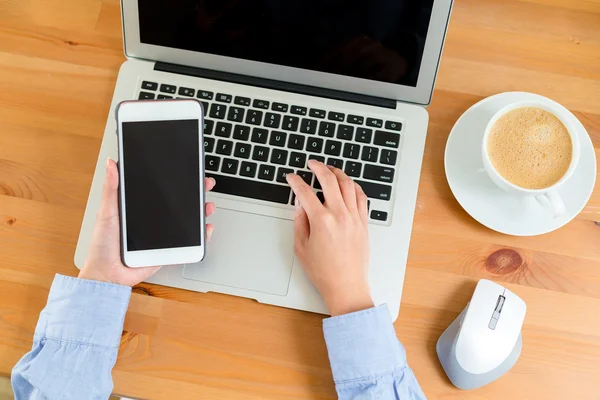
272 120
290 123
149 85
387 139
379 215
336 116
345 132
377 173
204 95
298 160
393 125
353 168
184 91
212 163
279 156
168 88
260 153
321 197
278 138
236 114
260 104
355 119
252 189
254 117
370 154
223 98
306 176
146 96
279 107
248 169
204 106
218 111
259 135
333 147
208 126
229 166
282 173
223 129
308 126
351 150
326 129
316 157
224 147
242 101
209 144
375 190
363 135
335 162
267 172
241 132
163 97
374 122
242 150
315 112
388 157
314 145
296 142
298 110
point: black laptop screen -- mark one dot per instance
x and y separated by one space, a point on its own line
380 40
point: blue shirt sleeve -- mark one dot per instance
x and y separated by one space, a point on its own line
367 360
75 343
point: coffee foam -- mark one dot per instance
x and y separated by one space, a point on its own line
530 148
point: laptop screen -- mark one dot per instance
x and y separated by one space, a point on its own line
380 40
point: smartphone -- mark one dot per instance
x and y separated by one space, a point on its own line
161 182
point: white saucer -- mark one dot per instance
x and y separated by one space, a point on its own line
490 205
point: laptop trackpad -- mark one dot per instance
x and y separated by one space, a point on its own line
247 251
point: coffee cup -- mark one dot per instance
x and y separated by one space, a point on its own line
547 196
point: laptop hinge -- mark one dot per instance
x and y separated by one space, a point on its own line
277 85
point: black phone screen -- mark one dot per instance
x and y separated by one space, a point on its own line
162 184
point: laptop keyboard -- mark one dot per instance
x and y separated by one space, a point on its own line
252 144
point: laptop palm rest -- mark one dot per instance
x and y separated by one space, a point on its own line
263 245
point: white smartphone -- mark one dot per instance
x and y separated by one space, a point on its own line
161 182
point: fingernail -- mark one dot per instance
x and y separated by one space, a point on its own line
108 162
214 182
311 161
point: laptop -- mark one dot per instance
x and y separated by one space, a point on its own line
341 81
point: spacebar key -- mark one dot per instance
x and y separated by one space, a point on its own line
251 189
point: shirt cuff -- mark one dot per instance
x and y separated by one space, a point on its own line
363 344
84 311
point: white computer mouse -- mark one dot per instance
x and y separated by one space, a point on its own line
484 341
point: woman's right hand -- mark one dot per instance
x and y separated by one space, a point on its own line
332 240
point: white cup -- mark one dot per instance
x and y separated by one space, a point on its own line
546 197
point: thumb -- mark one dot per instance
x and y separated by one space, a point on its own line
301 225
109 206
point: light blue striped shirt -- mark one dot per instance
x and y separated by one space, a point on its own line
77 338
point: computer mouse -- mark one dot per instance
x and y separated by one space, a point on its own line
484 341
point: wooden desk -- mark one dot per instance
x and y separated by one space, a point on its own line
58 64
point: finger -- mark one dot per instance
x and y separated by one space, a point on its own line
209 231
347 188
305 195
301 228
363 203
109 204
329 183
209 184
210 209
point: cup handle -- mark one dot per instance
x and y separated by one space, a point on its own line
552 202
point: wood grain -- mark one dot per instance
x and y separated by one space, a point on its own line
59 60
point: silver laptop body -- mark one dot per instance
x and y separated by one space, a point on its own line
282 83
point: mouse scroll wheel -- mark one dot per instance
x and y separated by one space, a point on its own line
497 311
